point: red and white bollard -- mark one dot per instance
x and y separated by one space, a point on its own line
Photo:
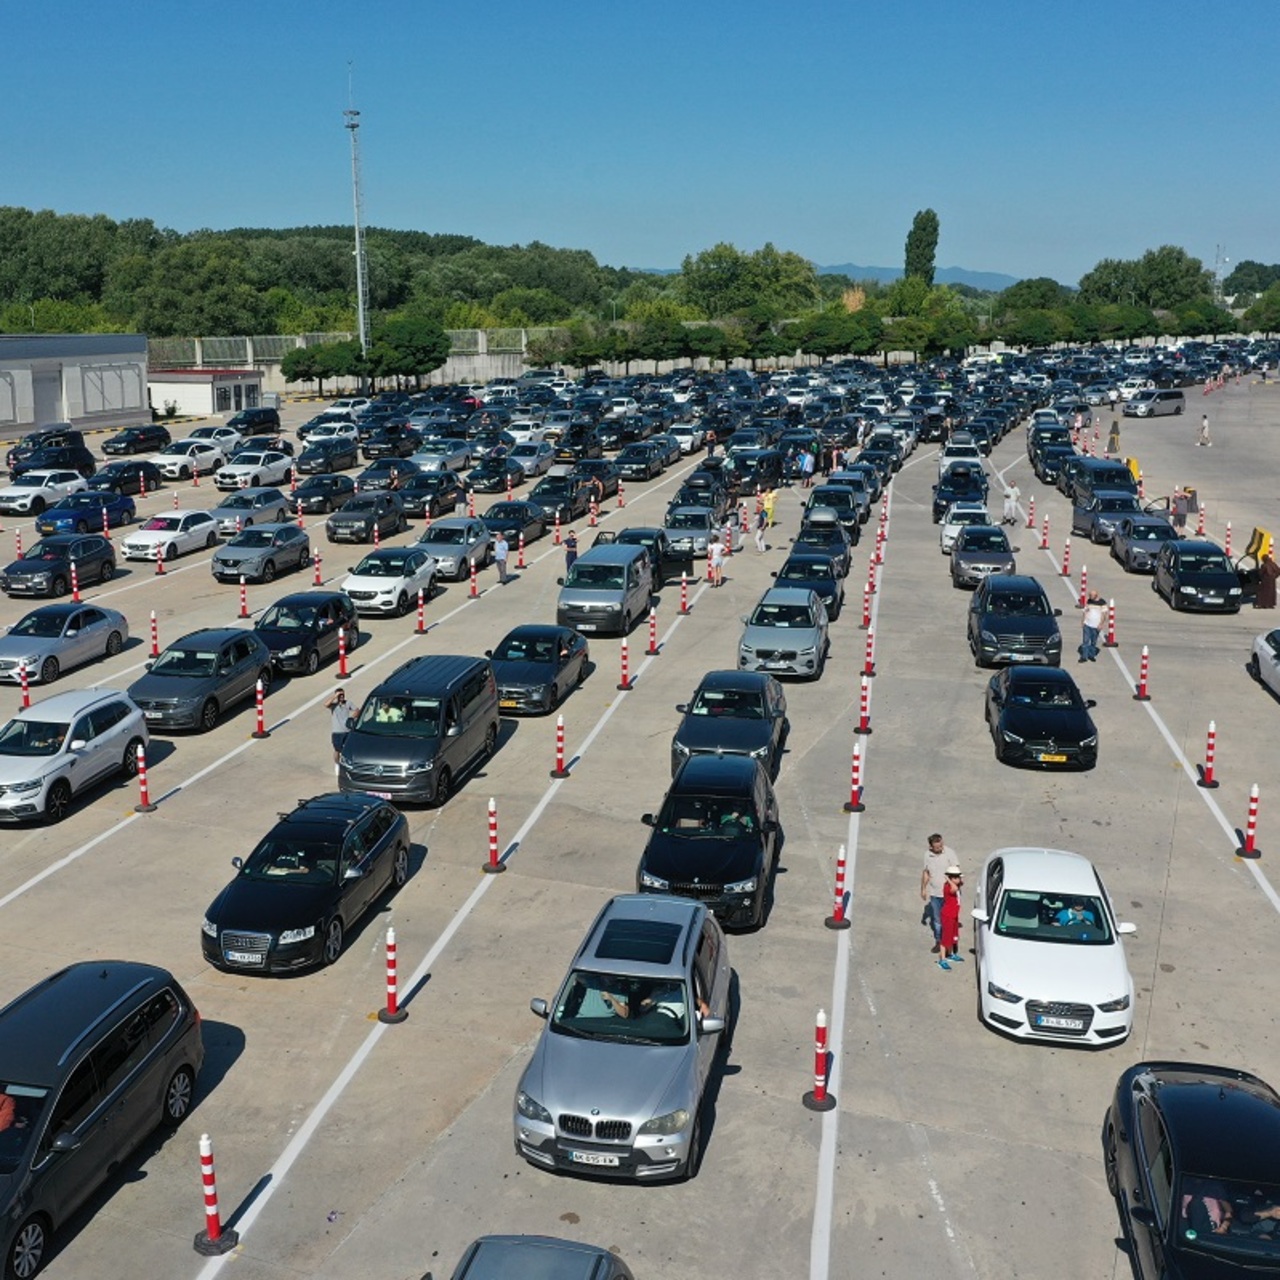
684 593
520 551
155 636
144 804
142 484
622 497
1226 546
855 804
244 599
866 609
1066 559
377 535
421 628
302 523
239 527
471 503
316 579
652 651
839 918
1044 535
880 546
595 512
1200 523
393 1013
745 523
884 511
175 500
625 685
495 864
106 523
557 537
17 544
871 576
195 478
343 673
260 707
819 1099
75 584
1142 491
214 1240
559 771
159 559
1084 585
510 496
293 479
1031 512
1249 845
1111 642
1206 779
864 707
869 660
1144 670
475 583
25 683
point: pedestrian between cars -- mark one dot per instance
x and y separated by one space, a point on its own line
501 550
1113 398
1113 437
1203 437
1268 572
1011 496
1179 505
715 560
770 498
933 879
806 469
950 935
762 523
341 716
1091 625
570 549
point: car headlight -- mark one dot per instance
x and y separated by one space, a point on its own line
293 651
1114 1006
32 664
742 886
297 935
1011 737
649 881
760 753
208 928
1235 591
999 993
812 649
1090 741
531 1108
39 577
988 637
746 648
422 766
677 748
1187 591
667 1126
26 787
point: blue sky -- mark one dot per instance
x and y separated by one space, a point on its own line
1045 136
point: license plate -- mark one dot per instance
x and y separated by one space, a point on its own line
776 666
1213 599
151 715
593 1157
586 626
244 957
508 702
382 795
1052 759
1060 1024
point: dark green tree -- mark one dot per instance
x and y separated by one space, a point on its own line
1251 277
922 246
1041 293
1264 315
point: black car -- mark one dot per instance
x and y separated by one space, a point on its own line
640 460
59 457
601 473
1194 573
391 441
323 493
1189 1155
516 518
136 476
1036 716
580 444
715 838
664 561
826 538
327 454
356 519
309 880
844 502
536 666
565 497
495 475
1050 460
819 573
432 493
45 568
386 473
59 433
302 630
256 421
961 483
716 497
146 439
1011 621
733 713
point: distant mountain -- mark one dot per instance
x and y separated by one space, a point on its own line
994 281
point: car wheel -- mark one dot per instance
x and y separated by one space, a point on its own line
208 715
57 802
184 473
37 506
254 481
1254 668
490 741
443 784
178 1096
129 763
326 506
114 644
27 1250
400 868
58 587
212 540
1109 1160
402 604
81 527
694 1161
49 670
108 571
312 663
269 571
332 941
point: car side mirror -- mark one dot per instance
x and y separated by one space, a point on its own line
1090 702
488 653
352 873
980 915
1142 1215
560 582
647 819
709 1026
682 708
453 730
1057 613
66 1141
539 1006
149 664
78 744
1126 927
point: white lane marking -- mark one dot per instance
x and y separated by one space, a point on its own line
298 1143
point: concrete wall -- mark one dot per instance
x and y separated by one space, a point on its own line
90 380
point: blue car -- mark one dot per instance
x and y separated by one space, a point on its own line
82 513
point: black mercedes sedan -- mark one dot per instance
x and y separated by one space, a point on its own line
1037 716
310 879
135 476
328 454
535 666
1189 1152
733 713
819 573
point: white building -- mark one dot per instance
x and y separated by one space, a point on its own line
199 393
89 380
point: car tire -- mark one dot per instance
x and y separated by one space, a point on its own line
170 553
490 741
1109 1159
115 643
208 715
212 540
444 783
402 604
37 506
49 670
58 587
254 481
28 1248
57 802
400 868
332 948
184 473
179 1094
694 1162
312 662
269 571
129 761
1254 668
108 571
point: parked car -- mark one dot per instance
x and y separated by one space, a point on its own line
960 515
1011 621
308 881
225 436
534 456
980 550
258 421
616 1083
389 580
184 458
1264 661
1136 541
785 634
1096 516
516 518
326 454
1196 574
521 1257
827 538
432 493
536 666
45 567
137 476
358 517
56 637
55 435
246 507
143 439
444 454
302 630
253 468
495 475
457 542
565 497
84 511
816 572
961 483
1037 716
733 713
323 493
58 457
640 460
386 474
690 531
601 475
260 553
33 492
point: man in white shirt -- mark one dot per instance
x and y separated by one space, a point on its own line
1091 621
932 881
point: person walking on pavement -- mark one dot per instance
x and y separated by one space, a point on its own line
770 498
1179 505
1268 572
1113 438
1113 397
501 550
762 523
1011 495
570 550
933 881
949 940
715 560
806 469
341 716
1203 437
1091 626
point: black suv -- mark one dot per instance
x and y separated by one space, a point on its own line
733 713
715 838
256 422
148 439
59 433
302 630
1011 620
92 1059
324 493
56 457
45 567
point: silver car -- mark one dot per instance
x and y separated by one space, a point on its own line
979 550
457 542
445 454
262 505
616 1084
258 554
57 637
786 634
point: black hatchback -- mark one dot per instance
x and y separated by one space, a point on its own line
327 454
324 493
1196 574
302 630
145 439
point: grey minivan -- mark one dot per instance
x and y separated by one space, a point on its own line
420 729
607 589
92 1059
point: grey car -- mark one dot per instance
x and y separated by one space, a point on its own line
527 1257
457 542
689 531
1137 541
1096 516
237 511
198 677
57 637
980 550
786 634
443 454
260 553
616 1083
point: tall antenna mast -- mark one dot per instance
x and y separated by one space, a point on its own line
362 274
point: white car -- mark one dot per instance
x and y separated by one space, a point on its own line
33 491
1051 963
535 456
350 404
176 531
1264 661
345 430
226 438
388 580
954 452
690 435
1131 386
527 429
251 469
186 457
958 515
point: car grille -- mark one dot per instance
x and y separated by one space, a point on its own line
703 892
1059 1009
1015 640
604 1130
363 595
777 655
257 944
156 704
372 773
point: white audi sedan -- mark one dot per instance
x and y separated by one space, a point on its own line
176 531
1051 963
1264 661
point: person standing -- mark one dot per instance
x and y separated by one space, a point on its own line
715 559
501 550
1268 572
1113 397
1113 438
949 939
933 881
1203 437
1091 627
340 718
770 498
762 523
1011 495
570 550
1179 505
806 469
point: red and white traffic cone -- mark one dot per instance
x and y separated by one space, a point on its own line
1144 670
25 683
377 535
293 480
1066 559
1226 546
475 583
471 503
393 1013
819 1099
260 707
1200 523
175 500
509 493
556 541
744 523
75 584
17 544
1084 585
421 628
622 500
652 651
559 771
1044 535
871 576
215 1239
106 523
1031 512
316 579
495 864
1111 642
1249 845
160 560
864 707
520 551
239 527
839 919
625 684
684 593
1206 779
144 804
343 673
244 599
155 636
142 484
1142 492
880 546
855 804
869 660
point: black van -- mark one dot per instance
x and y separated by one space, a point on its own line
92 1060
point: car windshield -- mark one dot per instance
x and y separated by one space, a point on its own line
782 615
505 512
20 1108
984 540
622 1009
398 715
806 570
1053 917
46 551
32 738
78 500
688 520
252 538
185 662
1223 1216
163 524
39 624
730 704
966 517
454 534
292 618
382 566
815 535
177 447
294 859
526 648
1044 695
236 502
1204 564
1016 604
1151 533
595 577
360 505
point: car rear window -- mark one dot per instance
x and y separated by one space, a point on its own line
646 941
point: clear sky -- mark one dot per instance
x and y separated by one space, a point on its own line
1046 136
